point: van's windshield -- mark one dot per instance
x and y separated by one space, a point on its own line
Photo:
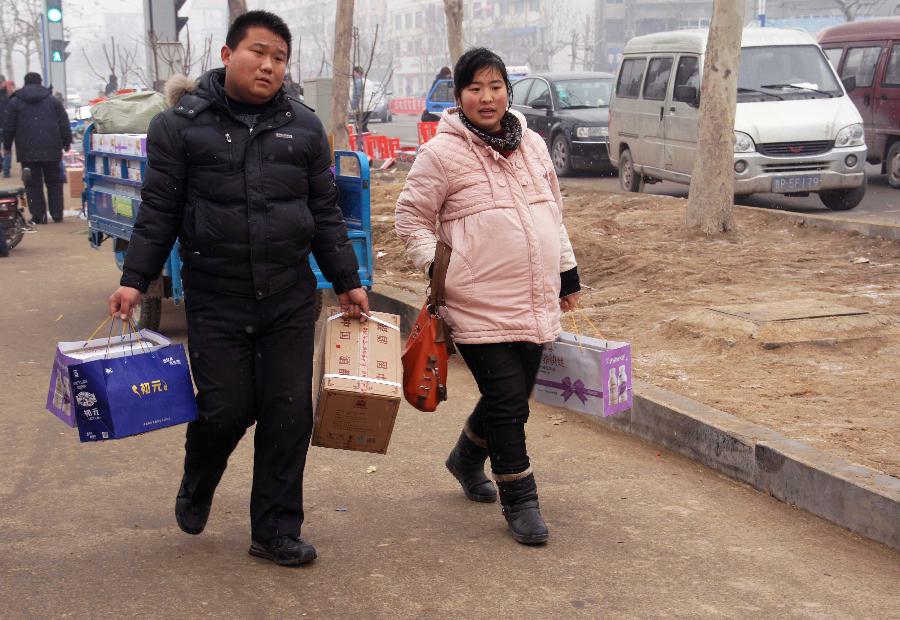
788 71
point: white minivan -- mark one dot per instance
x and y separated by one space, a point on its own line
796 131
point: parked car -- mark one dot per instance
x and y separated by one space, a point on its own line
570 111
439 97
376 101
868 52
796 131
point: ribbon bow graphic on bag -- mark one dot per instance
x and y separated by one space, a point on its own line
578 389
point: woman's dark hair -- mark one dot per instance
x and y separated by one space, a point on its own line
444 73
262 19
473 61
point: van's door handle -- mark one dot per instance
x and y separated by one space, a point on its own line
662 111
867 100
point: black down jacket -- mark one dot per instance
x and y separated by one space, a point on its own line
39 124
246 206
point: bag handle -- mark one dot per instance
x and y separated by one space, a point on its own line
439 275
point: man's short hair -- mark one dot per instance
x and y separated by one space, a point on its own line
33 78
262 19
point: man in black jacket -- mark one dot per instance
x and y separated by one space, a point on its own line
38 123
240 174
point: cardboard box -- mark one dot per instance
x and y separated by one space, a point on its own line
76 181
360 386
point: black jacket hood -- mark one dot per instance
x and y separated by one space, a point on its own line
32 93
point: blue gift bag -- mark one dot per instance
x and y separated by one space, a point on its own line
129 395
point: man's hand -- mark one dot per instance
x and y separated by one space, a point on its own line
354 303
569 302
124 300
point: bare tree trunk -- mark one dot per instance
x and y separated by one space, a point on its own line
453 14
236 8
574 55
712 183
341 70
8 61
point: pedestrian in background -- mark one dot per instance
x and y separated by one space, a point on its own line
489 183
4 104
241 175
39 125
112 85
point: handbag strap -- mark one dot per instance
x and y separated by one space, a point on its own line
439 274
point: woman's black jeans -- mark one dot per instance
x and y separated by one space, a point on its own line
505 374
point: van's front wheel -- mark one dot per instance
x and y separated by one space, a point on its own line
629 180
843 199
893 165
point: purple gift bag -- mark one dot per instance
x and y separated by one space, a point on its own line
587 375
59 396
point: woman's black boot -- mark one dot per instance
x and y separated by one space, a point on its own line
518 496
466 463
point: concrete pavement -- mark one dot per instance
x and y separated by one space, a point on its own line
636 532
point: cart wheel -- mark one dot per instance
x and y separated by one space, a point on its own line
14 235
319 302
148 314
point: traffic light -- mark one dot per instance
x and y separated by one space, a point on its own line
54 11
58 51
179 21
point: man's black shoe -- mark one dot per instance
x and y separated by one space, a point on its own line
191 518
285 550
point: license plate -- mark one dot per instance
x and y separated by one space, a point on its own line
801 183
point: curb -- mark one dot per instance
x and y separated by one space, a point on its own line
863 227
863 500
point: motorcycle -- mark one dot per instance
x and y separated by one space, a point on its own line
13 224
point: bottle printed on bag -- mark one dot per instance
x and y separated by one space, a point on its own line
613 388
623 385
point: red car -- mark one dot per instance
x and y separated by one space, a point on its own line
869 52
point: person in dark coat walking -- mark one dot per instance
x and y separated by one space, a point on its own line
241 175
38 123
4 104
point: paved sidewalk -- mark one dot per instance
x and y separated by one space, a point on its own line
88 530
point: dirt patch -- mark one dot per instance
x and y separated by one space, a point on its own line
645 273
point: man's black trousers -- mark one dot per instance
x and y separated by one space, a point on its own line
252 362
49 172
505 374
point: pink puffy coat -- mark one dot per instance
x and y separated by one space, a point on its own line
503 219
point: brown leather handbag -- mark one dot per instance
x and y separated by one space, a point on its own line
430 345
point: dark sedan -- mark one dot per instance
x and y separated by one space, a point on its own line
570 111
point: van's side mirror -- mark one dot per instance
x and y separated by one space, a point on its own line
849 83
540 105
687 94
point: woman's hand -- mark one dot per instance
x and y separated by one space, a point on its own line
569 302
